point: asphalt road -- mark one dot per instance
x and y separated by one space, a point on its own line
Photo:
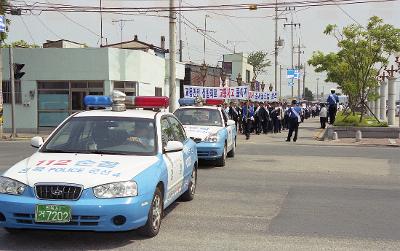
271 196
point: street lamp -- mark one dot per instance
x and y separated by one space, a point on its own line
203 70
262 86
253 84
270 87
239 79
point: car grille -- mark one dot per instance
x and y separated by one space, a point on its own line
58 192
76 220
197 140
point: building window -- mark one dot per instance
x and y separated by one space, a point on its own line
6 85
247 76
127 87
158 91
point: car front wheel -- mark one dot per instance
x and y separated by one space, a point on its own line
153 223
222 160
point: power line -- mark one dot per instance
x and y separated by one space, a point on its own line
26 27
47 27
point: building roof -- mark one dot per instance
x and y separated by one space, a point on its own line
63 40
136 44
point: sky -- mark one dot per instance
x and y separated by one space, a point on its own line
254 29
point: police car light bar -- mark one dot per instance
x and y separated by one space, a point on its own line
214 101
148 102
92 101
186 101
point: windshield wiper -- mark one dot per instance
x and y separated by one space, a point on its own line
57 151
103 152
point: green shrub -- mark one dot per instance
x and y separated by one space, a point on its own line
354 120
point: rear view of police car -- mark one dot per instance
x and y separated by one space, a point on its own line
102 170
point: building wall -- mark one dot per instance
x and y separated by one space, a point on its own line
101 64
239 65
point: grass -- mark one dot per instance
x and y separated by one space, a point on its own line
354 120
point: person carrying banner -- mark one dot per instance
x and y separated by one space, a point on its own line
294 121
263 117
332 101
247 118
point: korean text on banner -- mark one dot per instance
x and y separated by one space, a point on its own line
237 92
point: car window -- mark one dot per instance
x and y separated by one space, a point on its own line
201 117
179 132
108 135
167 132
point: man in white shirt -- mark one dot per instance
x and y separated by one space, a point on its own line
323 115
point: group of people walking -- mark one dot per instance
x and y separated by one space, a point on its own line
264 117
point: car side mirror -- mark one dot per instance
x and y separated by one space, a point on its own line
230 123
173 146
37 141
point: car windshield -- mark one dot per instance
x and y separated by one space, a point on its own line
202 116
104 135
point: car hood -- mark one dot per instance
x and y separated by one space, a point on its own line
201 132
88 170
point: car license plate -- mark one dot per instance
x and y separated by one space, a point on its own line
53 213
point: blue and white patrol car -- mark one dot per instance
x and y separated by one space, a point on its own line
102 170
212 130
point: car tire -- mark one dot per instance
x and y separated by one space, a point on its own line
222 161
156 211
190 192
232 152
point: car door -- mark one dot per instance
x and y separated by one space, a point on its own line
173 160
189 146
229 129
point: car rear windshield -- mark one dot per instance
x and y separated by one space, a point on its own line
202 117
104 135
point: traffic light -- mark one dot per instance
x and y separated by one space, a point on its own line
18 74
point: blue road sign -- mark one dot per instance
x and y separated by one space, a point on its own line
2 24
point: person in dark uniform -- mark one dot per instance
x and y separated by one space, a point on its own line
294 121
262 117
234 114
332 101
247 118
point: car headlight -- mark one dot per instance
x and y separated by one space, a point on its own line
10 186
212 138
116 190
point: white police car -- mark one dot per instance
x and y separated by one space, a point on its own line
102 170
210 127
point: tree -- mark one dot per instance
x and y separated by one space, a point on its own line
4 3
308 95
259 61
21 44
363 51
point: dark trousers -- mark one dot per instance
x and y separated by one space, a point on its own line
277 125
332 113
247 126
323 122
293 127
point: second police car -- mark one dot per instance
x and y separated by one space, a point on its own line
210 127
102 170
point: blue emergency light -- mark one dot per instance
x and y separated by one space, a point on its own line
97 101
186 101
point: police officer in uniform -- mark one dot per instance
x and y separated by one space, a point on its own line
247 118
294 119
332 101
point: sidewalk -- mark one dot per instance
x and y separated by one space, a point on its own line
309 132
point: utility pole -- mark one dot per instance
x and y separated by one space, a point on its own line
304 81
280 82
292 26
277 43
12 82
121 23
180 32
101 23
299 52
317 89
204 37
172 56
